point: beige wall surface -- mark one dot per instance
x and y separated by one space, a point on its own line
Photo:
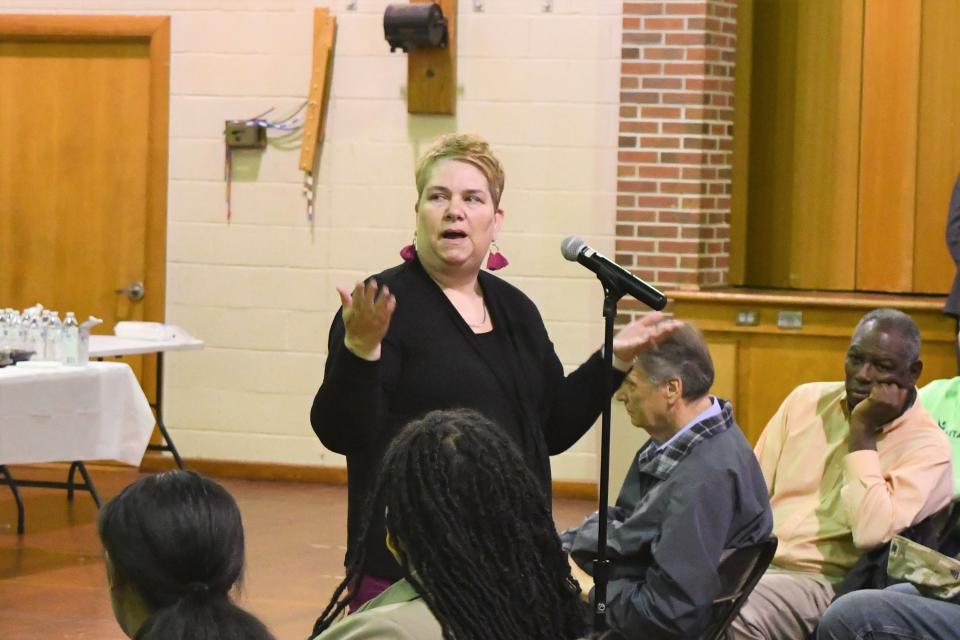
541 86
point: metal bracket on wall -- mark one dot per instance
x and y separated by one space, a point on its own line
477 6
547 6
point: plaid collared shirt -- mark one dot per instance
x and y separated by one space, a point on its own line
660 462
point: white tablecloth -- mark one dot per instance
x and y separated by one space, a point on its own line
96 412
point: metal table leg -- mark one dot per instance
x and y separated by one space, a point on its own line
158 410
88 482
8 480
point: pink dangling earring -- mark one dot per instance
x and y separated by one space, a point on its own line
496 260
409 252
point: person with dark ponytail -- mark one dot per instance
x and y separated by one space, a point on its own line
471 530
174 550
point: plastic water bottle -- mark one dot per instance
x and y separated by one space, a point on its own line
71 341
44 327
16 331
6 330
35 338
23 325
53 338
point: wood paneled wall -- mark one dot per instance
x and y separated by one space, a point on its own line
938 142
888 145
757 365
846 144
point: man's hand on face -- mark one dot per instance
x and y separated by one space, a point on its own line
885 402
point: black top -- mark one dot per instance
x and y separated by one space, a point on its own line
431 359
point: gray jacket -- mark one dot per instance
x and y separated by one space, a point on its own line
668 529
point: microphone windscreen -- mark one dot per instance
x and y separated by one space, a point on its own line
571 247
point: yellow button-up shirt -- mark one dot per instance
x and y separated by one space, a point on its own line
830 505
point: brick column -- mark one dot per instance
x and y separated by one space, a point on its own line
676 126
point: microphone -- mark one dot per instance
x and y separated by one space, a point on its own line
610 273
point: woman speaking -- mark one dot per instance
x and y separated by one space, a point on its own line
436 332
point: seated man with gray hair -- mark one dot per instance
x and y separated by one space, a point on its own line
849 465
694 490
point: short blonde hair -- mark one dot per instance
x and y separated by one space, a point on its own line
463 147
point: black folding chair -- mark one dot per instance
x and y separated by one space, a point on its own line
948 528
739 570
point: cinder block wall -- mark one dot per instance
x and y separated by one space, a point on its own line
543 87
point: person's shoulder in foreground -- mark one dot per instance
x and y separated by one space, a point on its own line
398 613
470 528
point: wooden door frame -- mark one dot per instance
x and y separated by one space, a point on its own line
155 30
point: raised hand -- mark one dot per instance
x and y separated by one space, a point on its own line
642 334
366 317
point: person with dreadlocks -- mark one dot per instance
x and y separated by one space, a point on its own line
437 332
473 535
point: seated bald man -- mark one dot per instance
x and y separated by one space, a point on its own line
848 465
694 490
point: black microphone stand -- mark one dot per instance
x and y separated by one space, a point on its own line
601 566
612 293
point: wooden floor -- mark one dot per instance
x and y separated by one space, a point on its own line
52 580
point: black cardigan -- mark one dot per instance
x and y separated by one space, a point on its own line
431 359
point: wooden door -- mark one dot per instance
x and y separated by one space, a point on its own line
83 166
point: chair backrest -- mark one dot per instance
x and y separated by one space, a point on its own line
739 571
948 527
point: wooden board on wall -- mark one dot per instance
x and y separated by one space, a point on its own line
778 364
938 144
432 72
803 145
725 353
824 194
851 114
888 146
772 93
